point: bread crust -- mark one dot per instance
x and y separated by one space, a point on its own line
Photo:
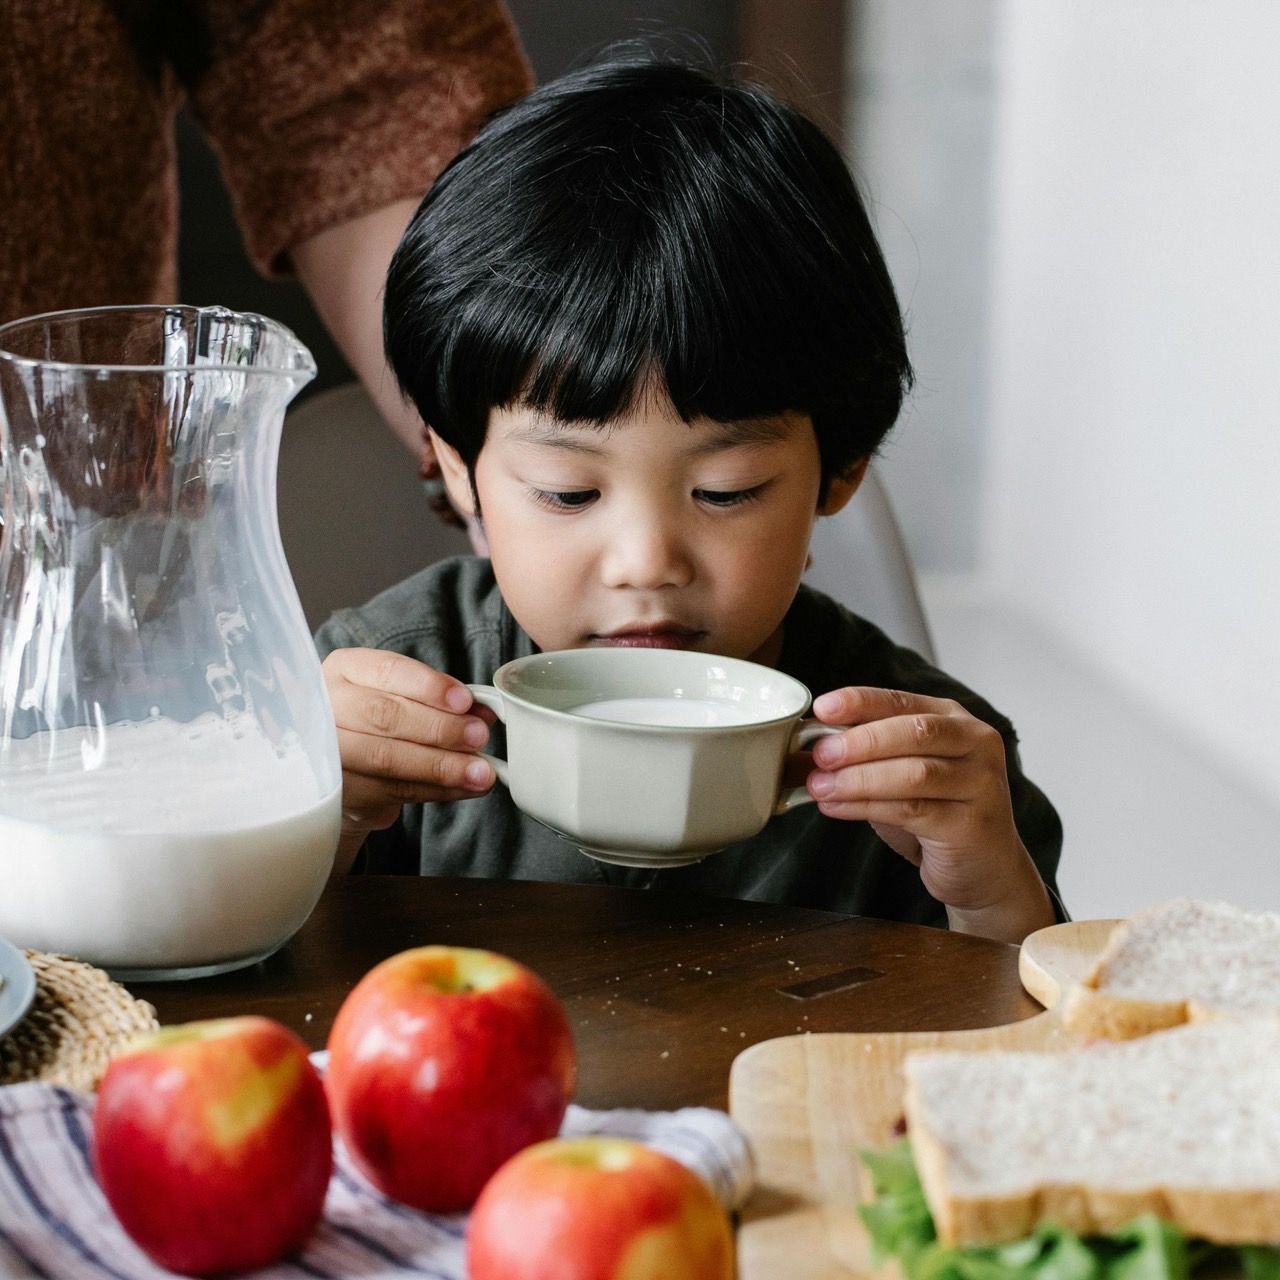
976 1202
1222 1217
1097 1015
1092 1011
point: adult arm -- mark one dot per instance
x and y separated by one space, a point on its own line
343 269
330 121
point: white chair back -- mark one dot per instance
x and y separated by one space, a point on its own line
861 560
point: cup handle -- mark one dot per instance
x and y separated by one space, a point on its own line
488 696
806 731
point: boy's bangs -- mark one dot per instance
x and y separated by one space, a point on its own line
675 319
637 228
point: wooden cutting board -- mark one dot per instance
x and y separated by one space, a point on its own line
809 1104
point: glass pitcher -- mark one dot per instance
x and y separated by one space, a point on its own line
169 774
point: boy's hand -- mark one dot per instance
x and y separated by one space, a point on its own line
931 779
406 734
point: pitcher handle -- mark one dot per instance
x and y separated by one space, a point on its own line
488 696
805 732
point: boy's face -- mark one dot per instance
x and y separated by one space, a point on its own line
650 531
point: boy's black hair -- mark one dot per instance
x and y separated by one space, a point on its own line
644 220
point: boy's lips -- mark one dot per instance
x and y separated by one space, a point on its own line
659 635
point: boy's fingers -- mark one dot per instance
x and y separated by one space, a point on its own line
928 820
915 734
394 717
909 780
387 694
399 676
409 771
858 704
364 796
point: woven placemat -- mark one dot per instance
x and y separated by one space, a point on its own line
78 1019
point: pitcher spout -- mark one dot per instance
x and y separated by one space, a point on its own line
215 337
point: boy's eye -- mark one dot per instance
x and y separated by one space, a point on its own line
563 499
728 497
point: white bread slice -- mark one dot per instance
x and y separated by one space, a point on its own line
1183 961
1183 1123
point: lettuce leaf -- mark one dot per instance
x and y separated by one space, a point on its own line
900 1226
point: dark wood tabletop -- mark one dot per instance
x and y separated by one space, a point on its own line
662 990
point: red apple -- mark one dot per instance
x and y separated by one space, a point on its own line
598 1209
213 1145
443 1063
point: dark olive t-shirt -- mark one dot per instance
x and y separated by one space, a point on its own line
452 617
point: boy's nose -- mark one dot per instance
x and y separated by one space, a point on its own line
646 555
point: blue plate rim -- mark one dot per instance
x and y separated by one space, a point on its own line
19 990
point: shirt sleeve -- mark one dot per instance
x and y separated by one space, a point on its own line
1037 822
322 112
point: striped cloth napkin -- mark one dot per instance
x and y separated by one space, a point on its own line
55 1223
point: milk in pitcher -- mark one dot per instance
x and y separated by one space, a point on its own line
157 845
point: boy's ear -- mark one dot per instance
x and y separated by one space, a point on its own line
457 479
843 487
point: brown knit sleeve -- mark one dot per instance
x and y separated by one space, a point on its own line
323 110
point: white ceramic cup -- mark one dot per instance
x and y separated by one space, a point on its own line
639 793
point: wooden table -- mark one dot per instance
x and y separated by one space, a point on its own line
663 991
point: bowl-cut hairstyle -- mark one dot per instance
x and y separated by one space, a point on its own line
647 223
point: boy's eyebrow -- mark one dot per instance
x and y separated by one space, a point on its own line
746 431
724 435
554 435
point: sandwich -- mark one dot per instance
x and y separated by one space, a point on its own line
1151 1158
1188 960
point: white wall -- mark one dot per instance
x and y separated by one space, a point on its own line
1080 202
920 120
1134 447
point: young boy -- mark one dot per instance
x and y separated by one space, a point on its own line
649 327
